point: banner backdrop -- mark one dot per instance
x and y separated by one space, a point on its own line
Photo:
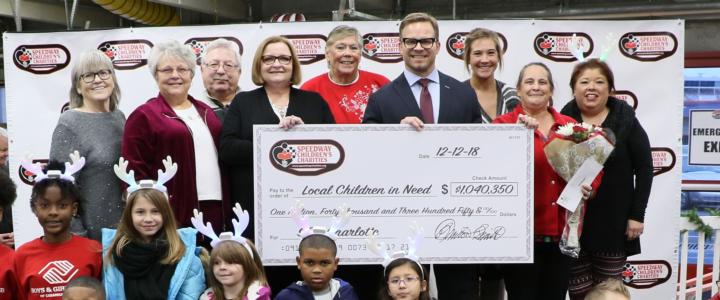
646 56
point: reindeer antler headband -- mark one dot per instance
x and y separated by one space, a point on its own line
129 177
411 254
70 168
239 225
306 230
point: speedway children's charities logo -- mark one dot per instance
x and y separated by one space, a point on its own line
627 96
127 54
310 48
41 59
645 274
28 177
307 157
199 45
455 44
648 46
382 47
663 160
555 46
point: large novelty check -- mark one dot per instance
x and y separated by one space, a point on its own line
469 187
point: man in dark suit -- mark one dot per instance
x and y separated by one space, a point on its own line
400 101
424 95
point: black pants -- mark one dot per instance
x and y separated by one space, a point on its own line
491 287
457 282
546 279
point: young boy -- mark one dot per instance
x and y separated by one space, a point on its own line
84 288
317 264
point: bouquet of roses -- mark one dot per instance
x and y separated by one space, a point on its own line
570 147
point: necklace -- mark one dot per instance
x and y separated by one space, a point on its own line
280 110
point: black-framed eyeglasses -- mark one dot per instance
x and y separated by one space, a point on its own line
90 76
270 59
215 65
425 43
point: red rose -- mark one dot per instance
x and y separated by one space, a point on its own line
578 129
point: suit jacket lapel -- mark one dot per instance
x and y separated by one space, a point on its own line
402 88
446 101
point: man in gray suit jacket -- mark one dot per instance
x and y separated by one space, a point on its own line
423 95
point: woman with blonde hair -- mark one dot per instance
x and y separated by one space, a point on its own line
275 69
483 56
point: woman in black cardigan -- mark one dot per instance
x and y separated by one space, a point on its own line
275 69
614 218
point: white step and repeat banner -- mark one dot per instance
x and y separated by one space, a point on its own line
646 56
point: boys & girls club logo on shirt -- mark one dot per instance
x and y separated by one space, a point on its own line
628 97
127 54
644 274
199 45
648 46
455 44
382 47
28 177
663 159
41 59
307 157
58 272
555 46
310 48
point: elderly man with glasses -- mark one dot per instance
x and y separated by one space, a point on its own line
220 70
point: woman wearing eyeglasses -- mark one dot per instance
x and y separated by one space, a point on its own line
93 126
177 125
345 87
275 69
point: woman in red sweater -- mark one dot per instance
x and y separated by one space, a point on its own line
547 277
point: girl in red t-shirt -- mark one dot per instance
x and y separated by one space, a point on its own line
44 266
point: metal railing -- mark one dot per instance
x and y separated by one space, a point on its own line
687 289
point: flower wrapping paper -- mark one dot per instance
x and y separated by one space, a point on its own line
570 146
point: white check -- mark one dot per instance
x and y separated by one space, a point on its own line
470 187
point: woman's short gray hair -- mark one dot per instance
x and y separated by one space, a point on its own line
171 48
341 32
92 61
223 43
